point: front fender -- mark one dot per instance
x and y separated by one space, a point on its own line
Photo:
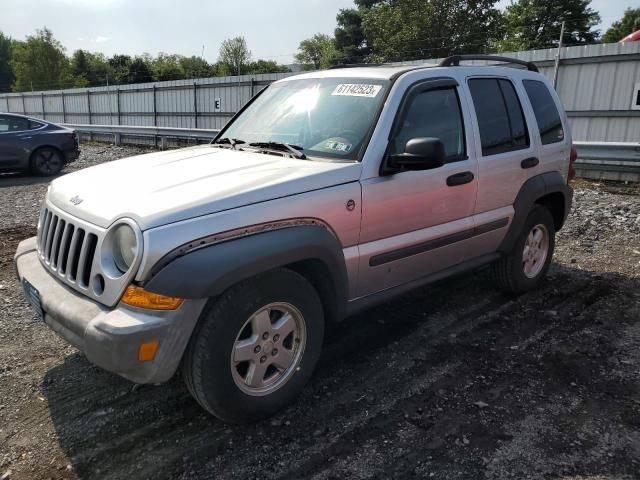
211 269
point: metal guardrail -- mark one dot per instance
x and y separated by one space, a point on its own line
608 160
597 160
120 132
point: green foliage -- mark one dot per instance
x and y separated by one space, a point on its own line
40 63
264 66
6 70
350 42
534 24
629 23
317 52
418 29
166 67
234 54
196 67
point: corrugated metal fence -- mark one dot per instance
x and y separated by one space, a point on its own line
598 85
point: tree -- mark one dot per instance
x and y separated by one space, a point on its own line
234 54
6 71
350 42
196 67
139 71
317 52
40 63
119 69
167 67
629 23
418 29
533 24
80 68
264 66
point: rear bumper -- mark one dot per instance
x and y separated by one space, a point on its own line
110 338
71 155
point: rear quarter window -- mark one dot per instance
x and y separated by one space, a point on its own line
545 110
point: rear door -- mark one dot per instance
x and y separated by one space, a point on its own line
508 155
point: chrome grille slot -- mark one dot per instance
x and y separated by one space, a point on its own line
74 255
65 245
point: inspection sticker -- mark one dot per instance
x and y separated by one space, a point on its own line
357 90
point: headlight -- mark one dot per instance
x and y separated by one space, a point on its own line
125 247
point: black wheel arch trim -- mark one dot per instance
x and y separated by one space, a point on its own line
208 271
531 191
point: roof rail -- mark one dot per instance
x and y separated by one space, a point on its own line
355 65
455 60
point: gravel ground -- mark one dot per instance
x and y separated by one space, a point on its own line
455 380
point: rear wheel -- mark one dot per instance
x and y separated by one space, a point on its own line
255 347
46 161
528 262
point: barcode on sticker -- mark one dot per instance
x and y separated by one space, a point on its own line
357 90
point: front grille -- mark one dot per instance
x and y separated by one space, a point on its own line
65 248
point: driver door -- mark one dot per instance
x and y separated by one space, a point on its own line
415 223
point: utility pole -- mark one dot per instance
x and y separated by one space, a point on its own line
557 65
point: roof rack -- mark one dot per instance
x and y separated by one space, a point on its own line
455 60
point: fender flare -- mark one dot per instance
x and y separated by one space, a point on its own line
531 191
208 271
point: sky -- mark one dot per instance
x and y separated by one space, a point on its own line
273 28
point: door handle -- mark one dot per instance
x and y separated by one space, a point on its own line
459 179
529 162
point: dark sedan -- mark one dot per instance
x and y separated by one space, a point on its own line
35 146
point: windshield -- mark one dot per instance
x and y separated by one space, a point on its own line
326 117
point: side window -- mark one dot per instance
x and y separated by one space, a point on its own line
13 124
546 112
500 117
33 125
435 113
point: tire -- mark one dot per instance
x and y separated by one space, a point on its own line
243 324
513 273
46 161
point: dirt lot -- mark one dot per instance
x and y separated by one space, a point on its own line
456 380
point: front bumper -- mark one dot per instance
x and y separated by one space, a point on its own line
110 338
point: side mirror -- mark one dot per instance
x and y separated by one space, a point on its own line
422 153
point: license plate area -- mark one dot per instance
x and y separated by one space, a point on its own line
33 297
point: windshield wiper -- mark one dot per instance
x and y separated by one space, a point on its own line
230 141
282 147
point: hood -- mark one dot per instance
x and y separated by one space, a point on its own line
165 187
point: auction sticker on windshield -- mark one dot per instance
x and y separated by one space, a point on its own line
357 90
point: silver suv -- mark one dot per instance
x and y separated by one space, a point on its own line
329 192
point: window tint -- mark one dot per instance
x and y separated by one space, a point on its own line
13 124
435 113
547 115
500 118
34 125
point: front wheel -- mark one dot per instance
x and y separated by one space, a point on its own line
527 263
255 347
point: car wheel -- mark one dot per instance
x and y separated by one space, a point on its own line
46 162
525 266
255 347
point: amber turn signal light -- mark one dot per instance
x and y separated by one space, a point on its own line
139 297
147 351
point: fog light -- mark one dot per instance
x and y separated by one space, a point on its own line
147 351
139 297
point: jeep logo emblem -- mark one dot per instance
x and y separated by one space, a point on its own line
76 200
